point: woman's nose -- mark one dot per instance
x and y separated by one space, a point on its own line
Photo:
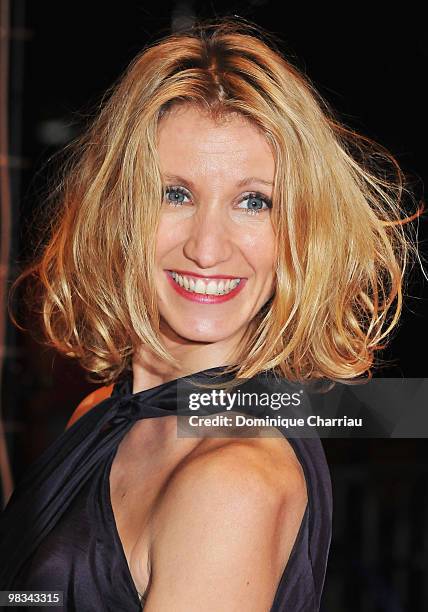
209 242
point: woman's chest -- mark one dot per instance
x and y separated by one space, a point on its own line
132 508
139 475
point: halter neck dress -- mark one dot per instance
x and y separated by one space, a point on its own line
58 530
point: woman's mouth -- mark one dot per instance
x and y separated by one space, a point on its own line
205 290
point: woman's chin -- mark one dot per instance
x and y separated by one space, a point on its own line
199 332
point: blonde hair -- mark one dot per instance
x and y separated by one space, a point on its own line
341 246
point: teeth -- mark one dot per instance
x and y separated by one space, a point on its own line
213 287
200 286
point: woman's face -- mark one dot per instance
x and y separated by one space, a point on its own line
215 226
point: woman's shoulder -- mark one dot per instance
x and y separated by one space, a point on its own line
246 497
89 402
252 475
271 461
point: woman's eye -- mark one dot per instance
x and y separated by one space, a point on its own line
254 202
175 195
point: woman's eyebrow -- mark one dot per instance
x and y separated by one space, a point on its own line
245 181
253 179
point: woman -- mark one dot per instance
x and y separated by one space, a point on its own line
211 221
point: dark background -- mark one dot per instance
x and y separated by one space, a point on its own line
64 55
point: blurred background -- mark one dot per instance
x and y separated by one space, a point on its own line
57 59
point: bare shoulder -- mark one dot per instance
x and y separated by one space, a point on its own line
230 514
261 464
89 402
258 471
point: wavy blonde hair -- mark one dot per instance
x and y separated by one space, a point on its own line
341 246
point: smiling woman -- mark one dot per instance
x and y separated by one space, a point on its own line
214 229
211 225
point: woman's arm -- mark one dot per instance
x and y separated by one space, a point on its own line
223 531
89 402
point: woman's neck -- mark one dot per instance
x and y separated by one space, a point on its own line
150 371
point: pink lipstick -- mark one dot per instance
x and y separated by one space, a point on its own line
204 298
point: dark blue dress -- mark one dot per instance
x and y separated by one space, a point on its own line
58 531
